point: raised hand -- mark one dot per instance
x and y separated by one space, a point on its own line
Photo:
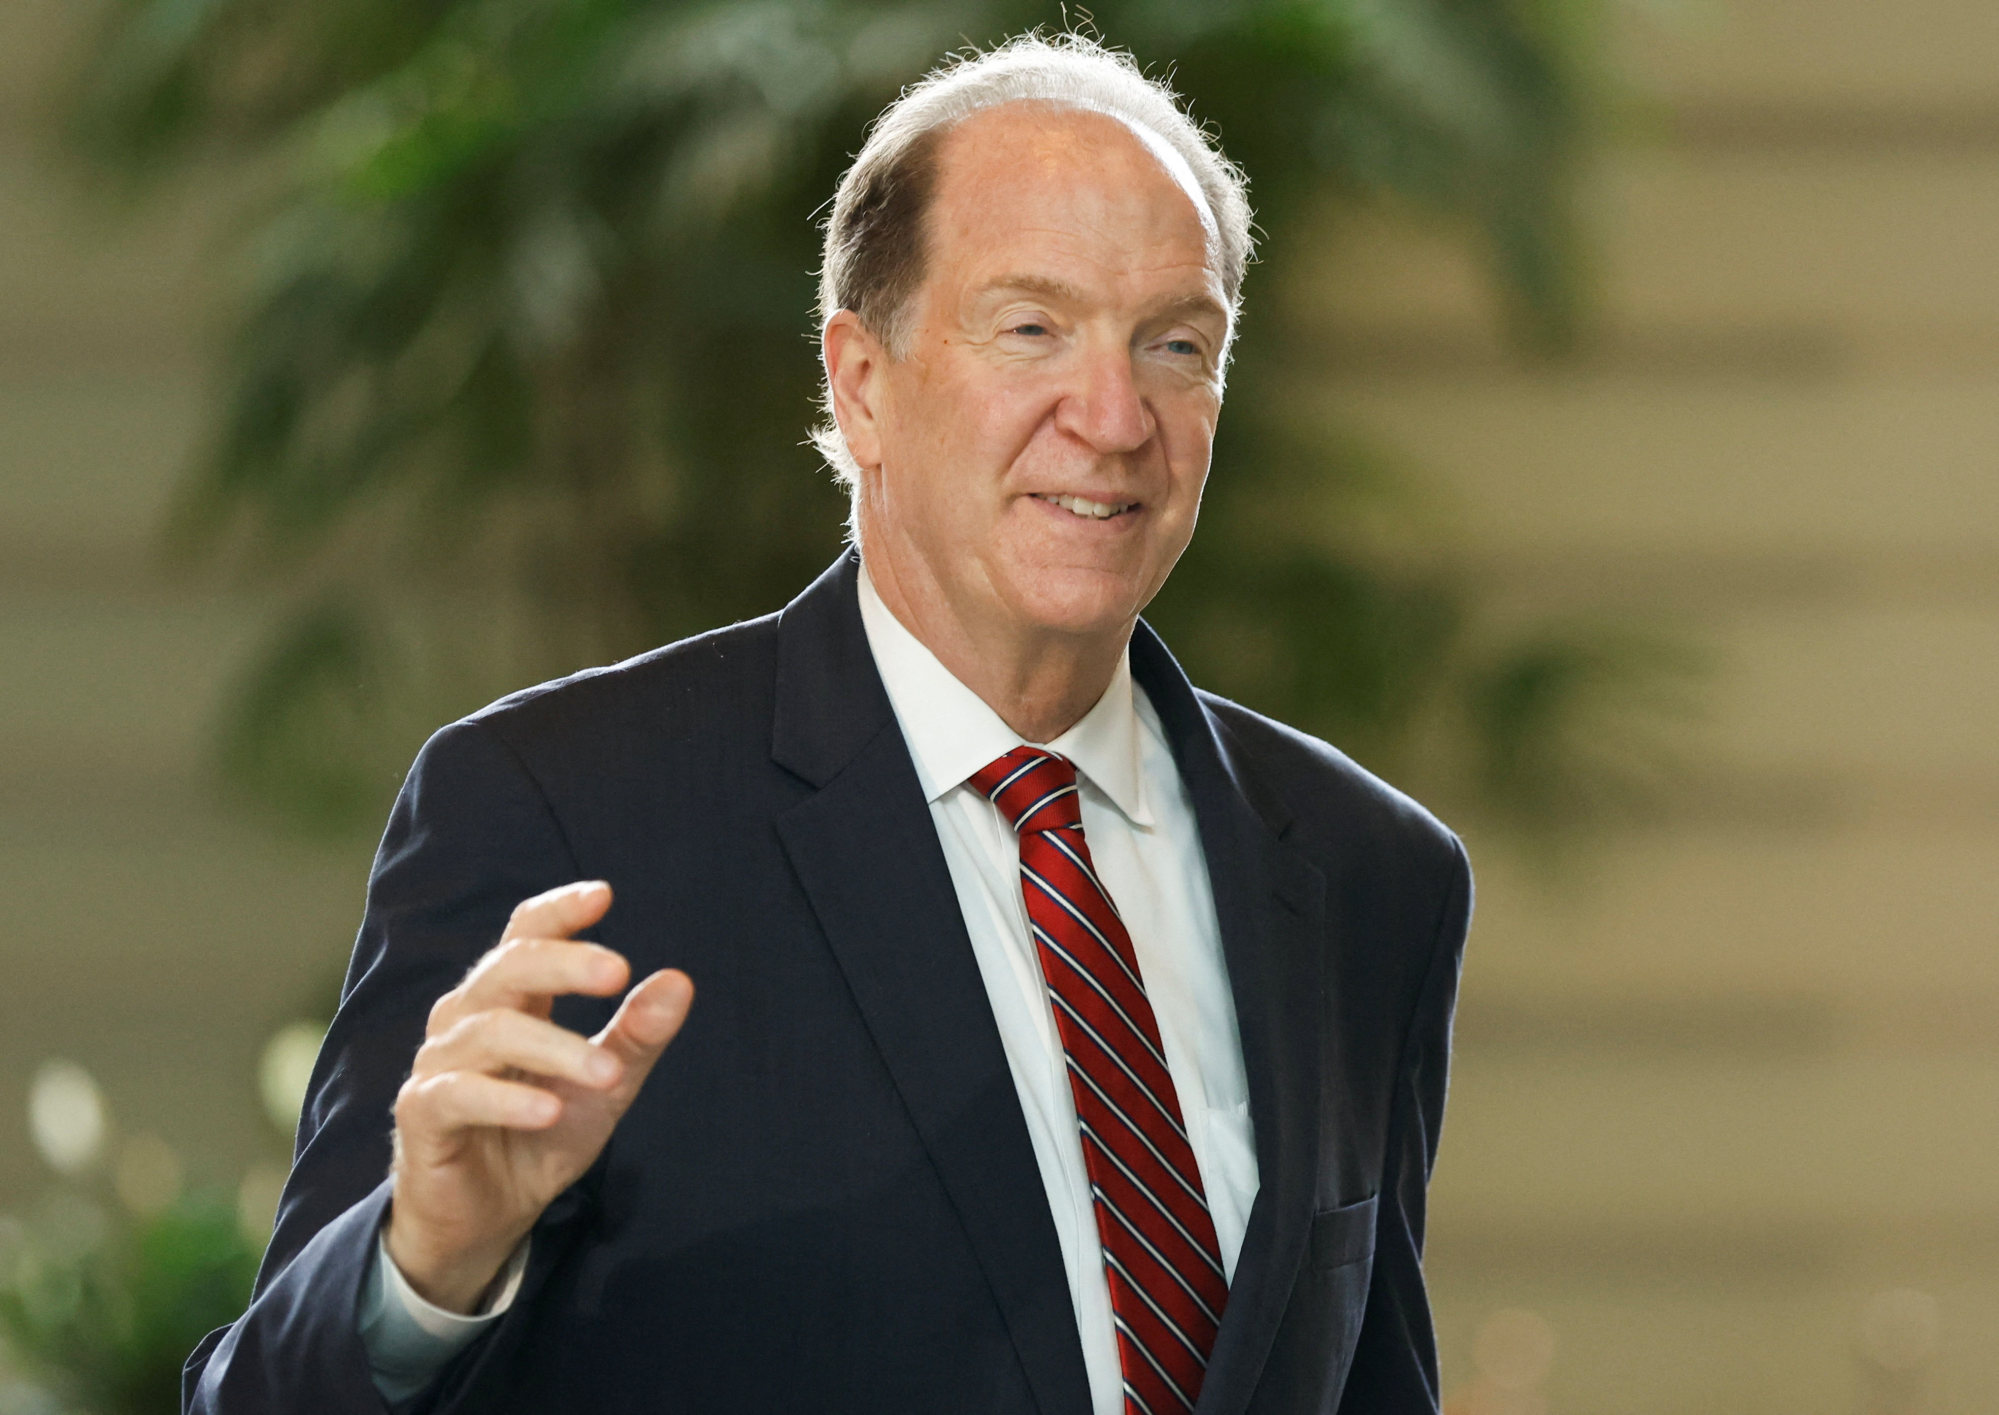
504 1109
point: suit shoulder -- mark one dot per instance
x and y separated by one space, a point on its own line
682 693
1327 792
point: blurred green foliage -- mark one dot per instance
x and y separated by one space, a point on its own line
521 373
105 1306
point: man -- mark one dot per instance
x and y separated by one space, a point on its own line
1068 1040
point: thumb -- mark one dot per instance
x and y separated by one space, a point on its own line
645 1022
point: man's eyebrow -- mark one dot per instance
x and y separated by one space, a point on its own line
1062 290
1032 285
1193 305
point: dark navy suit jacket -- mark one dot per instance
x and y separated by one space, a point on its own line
825 1199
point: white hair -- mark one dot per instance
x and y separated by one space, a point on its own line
873 259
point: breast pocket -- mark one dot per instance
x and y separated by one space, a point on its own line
1343 1235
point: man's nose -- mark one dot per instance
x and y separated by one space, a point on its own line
1105 408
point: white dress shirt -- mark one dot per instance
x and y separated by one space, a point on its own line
1143 839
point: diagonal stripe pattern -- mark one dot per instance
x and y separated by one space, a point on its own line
1160 1255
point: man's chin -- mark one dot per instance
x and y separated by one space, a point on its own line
1077 605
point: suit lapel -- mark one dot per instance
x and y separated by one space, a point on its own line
866 853
1270 903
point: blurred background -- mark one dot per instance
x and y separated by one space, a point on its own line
1612 459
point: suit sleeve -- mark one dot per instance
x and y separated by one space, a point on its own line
470 836
1394 1370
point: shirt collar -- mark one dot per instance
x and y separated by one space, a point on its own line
952 733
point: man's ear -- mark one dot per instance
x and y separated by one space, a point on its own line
855 360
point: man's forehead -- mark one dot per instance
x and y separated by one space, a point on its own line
1167 156
1053 150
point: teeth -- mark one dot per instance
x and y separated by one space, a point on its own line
1097 510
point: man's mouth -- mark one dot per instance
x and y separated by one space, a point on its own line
1094 510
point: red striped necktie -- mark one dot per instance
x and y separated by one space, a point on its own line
1160 1254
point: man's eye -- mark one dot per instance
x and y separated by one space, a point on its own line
1030 329
1184 347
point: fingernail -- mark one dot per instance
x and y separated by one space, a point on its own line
603 1068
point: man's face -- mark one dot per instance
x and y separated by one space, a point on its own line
1039 449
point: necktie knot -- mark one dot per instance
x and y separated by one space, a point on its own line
1034 789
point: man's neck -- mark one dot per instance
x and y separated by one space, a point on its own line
1041 685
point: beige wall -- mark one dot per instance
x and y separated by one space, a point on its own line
153 934
1731 1079
1743 1076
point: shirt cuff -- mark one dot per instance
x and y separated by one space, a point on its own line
409 1340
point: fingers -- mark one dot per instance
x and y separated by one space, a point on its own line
453 1087
535 962
526 974
560 912
504 1040
494 1025
431 1109
649 1018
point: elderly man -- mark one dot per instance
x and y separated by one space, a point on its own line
1068 1040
